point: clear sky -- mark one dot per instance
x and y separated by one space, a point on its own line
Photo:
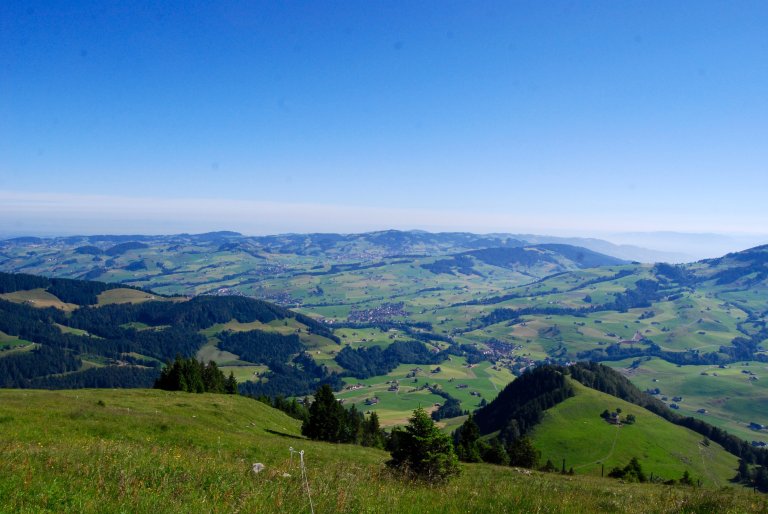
550 117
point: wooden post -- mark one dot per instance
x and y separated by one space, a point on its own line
602 470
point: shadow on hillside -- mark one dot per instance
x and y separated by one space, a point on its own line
283 434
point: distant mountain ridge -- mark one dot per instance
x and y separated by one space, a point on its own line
230 263
383 243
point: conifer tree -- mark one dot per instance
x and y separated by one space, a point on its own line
467 439
326 417
522 453
230 386
423 451
495 453
372 434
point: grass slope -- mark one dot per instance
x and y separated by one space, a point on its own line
157 451
38 298
574 431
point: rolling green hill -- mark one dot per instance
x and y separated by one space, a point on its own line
158 451
595 419
573 430
108 336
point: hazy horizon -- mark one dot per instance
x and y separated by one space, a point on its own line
680 246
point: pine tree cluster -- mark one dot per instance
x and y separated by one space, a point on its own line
192 376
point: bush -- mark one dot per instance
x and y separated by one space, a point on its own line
632 472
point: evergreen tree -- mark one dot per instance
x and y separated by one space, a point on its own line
351 428
743 474
372 435
495 453
230 386
326 417
761 478
522 453
467 439
423 451
213 378
633 472
192 376
549 466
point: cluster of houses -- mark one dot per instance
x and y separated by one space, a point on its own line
385 312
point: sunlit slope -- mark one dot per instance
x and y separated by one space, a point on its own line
157 451
574 431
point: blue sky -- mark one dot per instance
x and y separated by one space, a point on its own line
581 118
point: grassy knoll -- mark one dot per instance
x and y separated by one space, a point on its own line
574 431
125 295
70 330
731 400
155 451
8 342
38 298
211 352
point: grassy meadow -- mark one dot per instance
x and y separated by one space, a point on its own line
157 451
574 431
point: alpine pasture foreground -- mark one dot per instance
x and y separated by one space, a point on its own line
158 451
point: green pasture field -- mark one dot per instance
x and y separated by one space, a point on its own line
75 331
755 298
285 327
211 352
731 399
38 298
157 451
9 342
124 295
244 373
695 321
573 430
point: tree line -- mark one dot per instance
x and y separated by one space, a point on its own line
193 376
